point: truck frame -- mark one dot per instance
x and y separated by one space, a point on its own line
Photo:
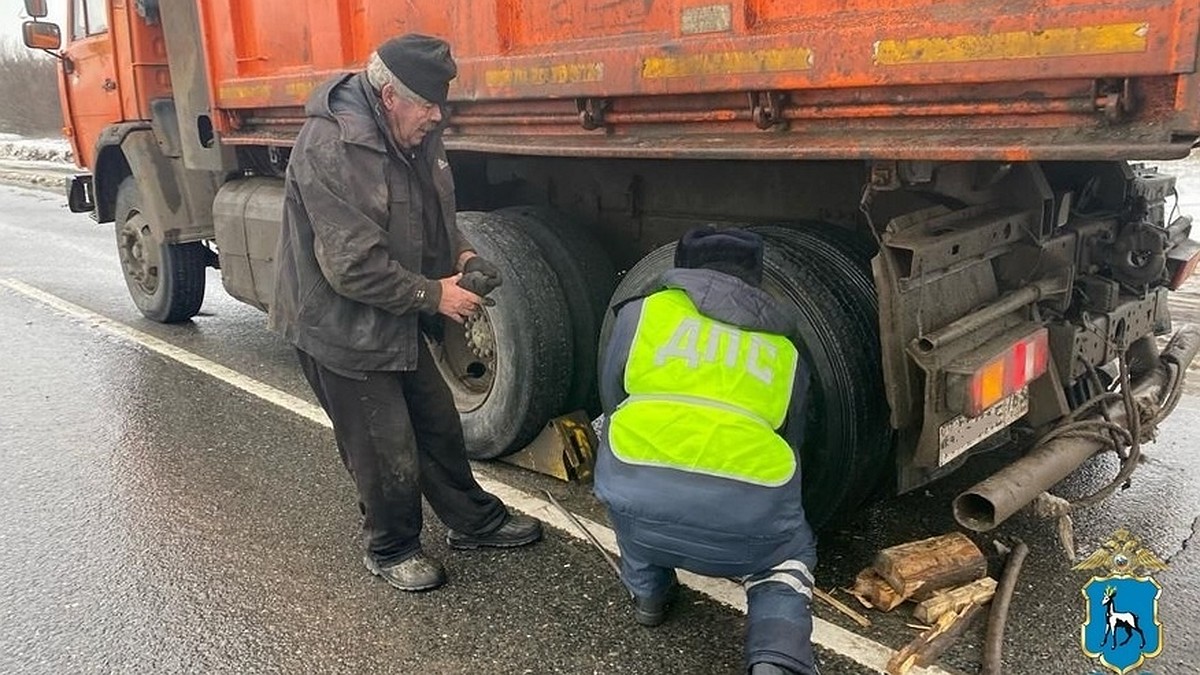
947 191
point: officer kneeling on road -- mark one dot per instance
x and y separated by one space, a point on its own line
704 397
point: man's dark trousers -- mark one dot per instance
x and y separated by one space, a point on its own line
400 437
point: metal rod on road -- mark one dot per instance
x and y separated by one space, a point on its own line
587 533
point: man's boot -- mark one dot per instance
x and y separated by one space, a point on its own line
516 531
418 573
652 611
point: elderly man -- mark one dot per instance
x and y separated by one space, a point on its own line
369 258
704 395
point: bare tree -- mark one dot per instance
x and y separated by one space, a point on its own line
29 102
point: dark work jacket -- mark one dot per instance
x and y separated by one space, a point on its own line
348 288
721 526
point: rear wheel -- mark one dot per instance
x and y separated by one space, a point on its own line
165 281
586 277
509 367
847 444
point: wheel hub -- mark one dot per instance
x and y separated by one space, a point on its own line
139 253
478 333
467 361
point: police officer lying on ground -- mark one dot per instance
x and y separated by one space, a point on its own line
704 394
369 257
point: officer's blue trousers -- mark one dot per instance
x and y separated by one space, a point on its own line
778 596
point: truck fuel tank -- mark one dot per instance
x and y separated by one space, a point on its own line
247 215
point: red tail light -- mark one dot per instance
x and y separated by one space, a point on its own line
1006 374
1182 267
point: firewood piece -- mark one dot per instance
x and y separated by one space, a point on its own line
929 645
918 568
841 607
933 650
873 591
977 592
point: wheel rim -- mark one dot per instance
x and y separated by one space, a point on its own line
140 257
467 360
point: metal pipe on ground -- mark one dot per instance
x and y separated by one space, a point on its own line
998 497
993 647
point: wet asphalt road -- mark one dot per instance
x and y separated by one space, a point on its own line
156 519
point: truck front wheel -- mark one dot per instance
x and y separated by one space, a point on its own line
166 281
509 368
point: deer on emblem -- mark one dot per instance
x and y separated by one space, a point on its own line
1114 620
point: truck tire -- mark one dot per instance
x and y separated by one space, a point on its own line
848 277
849 258
841 465
509 368
165 281
587 279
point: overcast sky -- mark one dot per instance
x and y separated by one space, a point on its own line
12 14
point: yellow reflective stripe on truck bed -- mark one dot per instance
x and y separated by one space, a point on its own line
1118 38
559 73
728 63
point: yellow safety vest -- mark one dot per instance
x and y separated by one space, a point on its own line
705 396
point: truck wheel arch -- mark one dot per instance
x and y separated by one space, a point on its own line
111 168
177 201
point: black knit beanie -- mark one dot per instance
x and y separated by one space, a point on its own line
422 63
732 251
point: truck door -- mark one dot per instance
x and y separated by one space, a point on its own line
90 77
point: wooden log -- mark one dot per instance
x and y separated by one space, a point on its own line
931 644
872 591
917 569
978 592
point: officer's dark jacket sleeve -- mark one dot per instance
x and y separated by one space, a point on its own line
612 365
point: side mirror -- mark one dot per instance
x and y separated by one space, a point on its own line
41 35
36 8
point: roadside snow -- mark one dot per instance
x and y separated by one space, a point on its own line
56 150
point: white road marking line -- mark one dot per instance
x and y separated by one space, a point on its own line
229 376
857 648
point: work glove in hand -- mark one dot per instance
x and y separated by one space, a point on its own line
485 267
476 282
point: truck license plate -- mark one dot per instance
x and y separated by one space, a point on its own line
963 433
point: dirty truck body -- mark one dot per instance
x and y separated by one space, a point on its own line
946 190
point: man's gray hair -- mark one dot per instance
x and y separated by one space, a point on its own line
378 74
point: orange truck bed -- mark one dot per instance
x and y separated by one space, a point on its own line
822 79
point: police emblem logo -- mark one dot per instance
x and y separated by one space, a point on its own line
1121 628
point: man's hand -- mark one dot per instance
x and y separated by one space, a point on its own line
485 267
479 285
457 302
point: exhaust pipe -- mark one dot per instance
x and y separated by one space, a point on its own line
993 500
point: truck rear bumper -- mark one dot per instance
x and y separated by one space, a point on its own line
993 500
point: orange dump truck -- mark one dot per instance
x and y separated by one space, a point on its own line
945 188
